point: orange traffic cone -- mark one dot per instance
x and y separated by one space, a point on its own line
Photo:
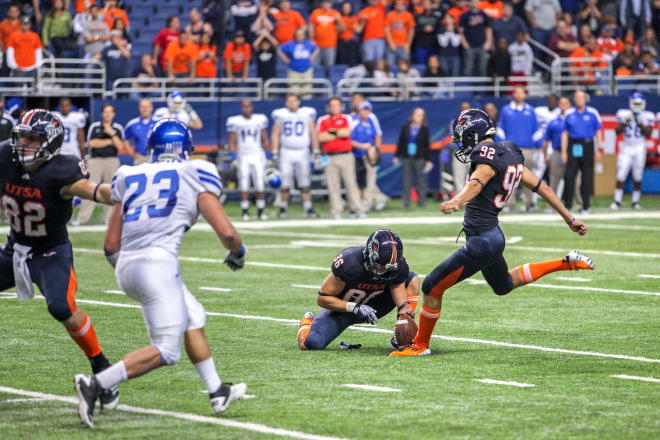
413 195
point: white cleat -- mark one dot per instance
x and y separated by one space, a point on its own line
263 216
636 206
578 261
615 206
88 391
245 217
226 394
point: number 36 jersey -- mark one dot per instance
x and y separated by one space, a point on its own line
159 201
508 162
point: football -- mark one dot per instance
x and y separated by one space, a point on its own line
404 330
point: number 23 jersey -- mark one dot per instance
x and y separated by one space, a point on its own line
508 162
159 201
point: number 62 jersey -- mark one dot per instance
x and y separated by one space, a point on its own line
159 201
508 162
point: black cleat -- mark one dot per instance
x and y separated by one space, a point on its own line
226 394
283 213
88 391
109 398
310 213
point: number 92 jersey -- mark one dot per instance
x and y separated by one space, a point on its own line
508 162
294 126
632 133
159 201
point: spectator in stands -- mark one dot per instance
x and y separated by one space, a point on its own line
105 138
647 65
493 113
244 14
137 130
146 70
182 56
587 69
298 55
590 15
414 151
449 41
262 23
237 58
347 45
324 25
434 68
24 50
164 38
509 25
287 22
636 15
522 57
609 45
518 123
563 41
492 8
214 12
97 33
399 32
116 57
542 16
656 16
57 30
477 40
499 63
649 42
383 77
334 131
584 34
265 54
197 27
8 26
460 7
112 12
79 22
372 20
207 63
427 26
407 74
125 34
626 61
552 137
570 7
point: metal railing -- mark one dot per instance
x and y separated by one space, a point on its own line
199 89
551 55
70 77
375 89
647 83
17 85
592 74
276 88
419 88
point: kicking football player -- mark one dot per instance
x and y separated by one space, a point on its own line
636 124
365 284
496 169
247 133
178 109
155 204
74 129
293 132
37 185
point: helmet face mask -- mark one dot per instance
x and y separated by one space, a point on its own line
470 128
176 102
36 139
383 253
637 103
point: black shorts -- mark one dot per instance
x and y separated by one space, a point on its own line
361 172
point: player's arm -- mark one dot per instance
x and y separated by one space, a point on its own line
400 298
536 184
231 139
478 179
112 242
81 141
195 121
211 209
89 190
328 297
264 139
314 136
275 137
647 130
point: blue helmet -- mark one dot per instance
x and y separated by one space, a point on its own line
169 139
273 179
637 102
470 127
382 254
176 101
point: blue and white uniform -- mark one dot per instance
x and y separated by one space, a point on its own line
632 150
251 157
295 142
72 122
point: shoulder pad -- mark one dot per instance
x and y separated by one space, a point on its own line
348 264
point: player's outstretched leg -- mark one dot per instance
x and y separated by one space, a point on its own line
304 328
530 272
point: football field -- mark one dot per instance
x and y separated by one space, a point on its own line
576 355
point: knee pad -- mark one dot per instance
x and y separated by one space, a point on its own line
60 310
168 355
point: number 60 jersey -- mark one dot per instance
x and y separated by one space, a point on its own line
159 201
508 162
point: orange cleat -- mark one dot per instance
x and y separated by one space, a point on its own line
305 327
577 261
412 350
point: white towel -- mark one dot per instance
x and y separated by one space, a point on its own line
22 278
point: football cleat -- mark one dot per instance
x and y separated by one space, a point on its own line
225 395
636 206
305 327
245 215
615 206
282 213
310 213
411 350
109 398
577 261
88 391
263 216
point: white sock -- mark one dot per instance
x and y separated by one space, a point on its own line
245 204
284 204
261 203
112 376
209 375
618 195
636 196
307 205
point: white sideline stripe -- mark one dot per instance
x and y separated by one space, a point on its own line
576 279
245 396
215 289
577 288
647 275
504 382
389 332
305 286
114 292
29 399
255 427
643 379
372 388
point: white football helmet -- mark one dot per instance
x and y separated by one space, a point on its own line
176 101
637 102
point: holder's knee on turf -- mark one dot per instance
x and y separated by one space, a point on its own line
60 310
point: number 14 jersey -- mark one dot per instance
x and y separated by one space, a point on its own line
508 162
159 201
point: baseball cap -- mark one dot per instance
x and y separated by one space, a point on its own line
365 105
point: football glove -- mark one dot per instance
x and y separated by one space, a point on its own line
366 314
236 260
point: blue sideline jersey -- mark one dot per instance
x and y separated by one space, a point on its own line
363 131
553 132
136 133
519 125
584 124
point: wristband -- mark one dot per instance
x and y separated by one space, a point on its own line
239 253
350 307
571 222
538 185
95 191
407 303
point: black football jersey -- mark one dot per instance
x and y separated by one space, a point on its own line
361 287
37 213
508 162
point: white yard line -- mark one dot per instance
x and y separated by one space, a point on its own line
215 289
648 275
115 292
28 399
305 286
504 382
576 279
577 288
643 379
254 427
389 332
372 388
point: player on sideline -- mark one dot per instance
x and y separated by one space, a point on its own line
365 284
247 133
155 204
636 124
178 109
36 186
496 169
73 123
294 130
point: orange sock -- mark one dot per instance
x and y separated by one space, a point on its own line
85 337
427 319
531 272
413 300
